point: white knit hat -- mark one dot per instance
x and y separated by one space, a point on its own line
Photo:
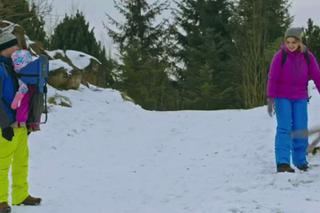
7 39
295 32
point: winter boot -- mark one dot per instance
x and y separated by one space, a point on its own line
284 168
303 167
315 150
31 201
5 208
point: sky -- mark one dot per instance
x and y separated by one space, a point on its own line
95 13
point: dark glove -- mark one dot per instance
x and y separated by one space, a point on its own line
7 133
270 106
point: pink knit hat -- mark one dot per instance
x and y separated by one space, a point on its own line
20 59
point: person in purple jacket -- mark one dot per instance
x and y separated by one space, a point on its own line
287 92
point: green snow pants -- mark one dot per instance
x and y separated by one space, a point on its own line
14 154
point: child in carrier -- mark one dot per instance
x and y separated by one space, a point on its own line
21 101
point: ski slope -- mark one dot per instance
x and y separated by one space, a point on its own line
106 155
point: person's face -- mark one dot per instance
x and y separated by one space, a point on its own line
8 52
292 44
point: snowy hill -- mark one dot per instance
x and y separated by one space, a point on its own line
105 155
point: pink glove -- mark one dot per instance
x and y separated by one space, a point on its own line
17 100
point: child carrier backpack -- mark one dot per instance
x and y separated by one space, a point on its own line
35 75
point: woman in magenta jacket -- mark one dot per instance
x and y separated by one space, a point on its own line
287 91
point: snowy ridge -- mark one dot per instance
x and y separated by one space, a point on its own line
108 155
80 59
57 64
53 53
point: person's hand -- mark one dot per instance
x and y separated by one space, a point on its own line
270 107
8 133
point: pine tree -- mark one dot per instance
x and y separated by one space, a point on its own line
205 48
20 12
257 25
312 37
34 26
16 11
138 29
142 52
74 33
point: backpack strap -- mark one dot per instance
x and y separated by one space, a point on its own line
284 55
307 56
19 75
44 74
45 91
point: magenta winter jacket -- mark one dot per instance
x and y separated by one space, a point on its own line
290 80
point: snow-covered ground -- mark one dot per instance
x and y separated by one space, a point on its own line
106 155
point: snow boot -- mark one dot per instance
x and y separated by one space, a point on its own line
315 150
283 167
303 167
31 201
5 208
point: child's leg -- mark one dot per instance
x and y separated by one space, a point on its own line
283 141
16 103
300 122
23 110
23 89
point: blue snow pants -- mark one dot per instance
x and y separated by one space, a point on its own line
291 115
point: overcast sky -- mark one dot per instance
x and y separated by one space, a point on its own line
95 10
